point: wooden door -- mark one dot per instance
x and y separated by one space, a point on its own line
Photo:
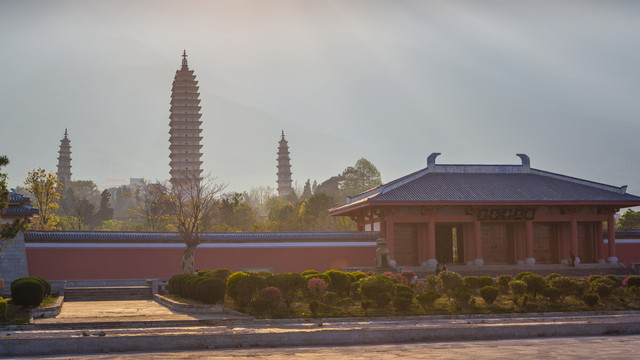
586 242
545 243
405 239
497 243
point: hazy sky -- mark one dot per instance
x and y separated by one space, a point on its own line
391 81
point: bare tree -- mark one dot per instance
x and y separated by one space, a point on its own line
188 202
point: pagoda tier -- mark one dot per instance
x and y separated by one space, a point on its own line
284 168
64 160
185 131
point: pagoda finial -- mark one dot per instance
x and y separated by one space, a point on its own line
184 58
65 132
282 134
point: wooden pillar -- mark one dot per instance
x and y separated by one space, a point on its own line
431 242
611 231
574 239
529 260
477 233
600 243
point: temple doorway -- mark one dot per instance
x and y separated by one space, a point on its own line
405 239
449 244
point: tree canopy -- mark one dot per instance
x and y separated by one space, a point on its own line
629 220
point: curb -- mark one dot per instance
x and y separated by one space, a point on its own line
48 312
317 336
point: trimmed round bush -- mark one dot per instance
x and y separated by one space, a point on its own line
345 303
330 298
552 276
523 274
242 287
290 284
324 277
3 309
461 296
175 283
427 299
551 293
233 281
45 284
471 282
339 282
590 299
633 280
615 281
602 287
402 302
518 287
28 292
377 288
503 283
273 297
489 293
210 290
314 307
486 281
359 275
535 283
309 272
317 287
448 281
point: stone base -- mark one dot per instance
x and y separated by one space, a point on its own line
530 261
478 262
432 262
469 263
520 262
602 261
576 261
564 262
612 260
393 263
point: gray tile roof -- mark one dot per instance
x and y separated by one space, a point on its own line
624 234
239 237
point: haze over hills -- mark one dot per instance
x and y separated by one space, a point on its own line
388 81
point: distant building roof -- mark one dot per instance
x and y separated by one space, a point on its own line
166 237
482 184
19 206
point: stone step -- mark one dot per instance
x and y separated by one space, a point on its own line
108 293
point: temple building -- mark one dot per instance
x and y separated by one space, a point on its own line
284 168
185 125
491 214
64 160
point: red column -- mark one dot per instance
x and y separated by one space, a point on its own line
600 242
529 260
390 244
611 225
431 242
477 233
574 238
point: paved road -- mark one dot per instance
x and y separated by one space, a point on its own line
609 347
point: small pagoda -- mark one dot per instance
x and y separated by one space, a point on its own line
64 160
284 168
185 126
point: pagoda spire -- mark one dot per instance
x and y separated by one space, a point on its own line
284 168
64 160
185 131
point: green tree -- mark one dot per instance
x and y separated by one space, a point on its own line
359 178
149 205
235 214
45 189
106 211
629 220
7 231
306 192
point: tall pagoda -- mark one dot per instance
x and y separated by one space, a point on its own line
284 168
64 160
185 126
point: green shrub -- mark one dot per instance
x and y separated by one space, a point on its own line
345 303
593 278
523 274
448 281
551 293
461 296
428 298
324 277
359 275
264 274
314 307
272 297
339 282
552 276
432 282
401 289
489 293
242 287
260 306
309 272
233 281
222 274
45 284
377 288
535 283
290 284
581 286
602 287
503 283
210 290
190 286
486 281
633 280
3 309
330 298
402 302
175 283
615 281
367 304
471 282
590 299
570 286
518 287
28 292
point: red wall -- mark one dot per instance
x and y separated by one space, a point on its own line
79 263
628 253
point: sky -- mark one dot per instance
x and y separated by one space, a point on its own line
391 81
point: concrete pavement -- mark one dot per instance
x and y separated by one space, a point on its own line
104 327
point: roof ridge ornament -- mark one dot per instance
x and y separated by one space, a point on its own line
431 161
526 162
184 58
